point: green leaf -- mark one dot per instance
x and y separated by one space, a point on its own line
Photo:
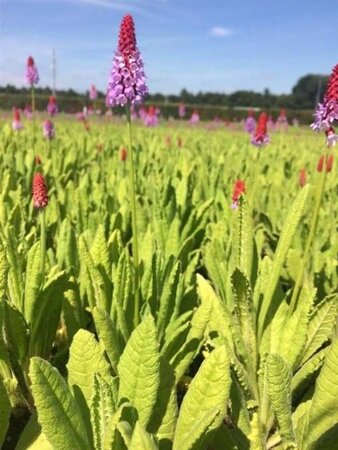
102 407
86 359
243 238
47 312
205 404
108 336
139 369
324 412
33 281
321 326
194 340
279 388
284 243
141 440
58 413
5 412
17 332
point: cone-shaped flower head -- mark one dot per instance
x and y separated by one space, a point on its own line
329 163
151 118
250 122
195 117
16 124
181 110
126 83
327 112
260 136
48 129
32 74
52 107
40 192
238 191
92 92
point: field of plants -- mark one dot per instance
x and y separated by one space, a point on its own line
169 287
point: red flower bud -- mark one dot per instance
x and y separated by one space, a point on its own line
329 163
302 177
38 160
123 154
320 164
40 193
238 190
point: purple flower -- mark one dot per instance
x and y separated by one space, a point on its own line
181 110
250 124
48 129
151 117
28 112
195 117
127 79
52 107
93 93
32 74
327 112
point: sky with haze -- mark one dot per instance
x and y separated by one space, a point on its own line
201 45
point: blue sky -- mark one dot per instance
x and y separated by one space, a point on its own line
208 45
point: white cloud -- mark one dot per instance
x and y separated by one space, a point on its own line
221 31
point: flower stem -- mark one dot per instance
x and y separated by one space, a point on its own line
43 242
314 222
33 111
133 216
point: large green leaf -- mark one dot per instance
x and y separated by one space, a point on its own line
279 388
141 440
205 404
139 369
58 413
324 411
5 412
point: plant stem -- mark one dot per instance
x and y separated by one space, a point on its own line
133 216
43 242
33 110
314 222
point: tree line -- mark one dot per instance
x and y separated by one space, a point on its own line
307 91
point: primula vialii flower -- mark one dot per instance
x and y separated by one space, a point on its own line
328 165
327 111
260 136
250 123
181 110
48 129
16 124
32 74
238 191
151 118
195 117
127 82
52 107
40 192
92 92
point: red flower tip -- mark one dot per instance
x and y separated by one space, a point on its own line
99 147
329 163
16 115
52 99
123 154
38 160
238 190
332 85
127 38
179 142
30 61
320 164
302 177
40 193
